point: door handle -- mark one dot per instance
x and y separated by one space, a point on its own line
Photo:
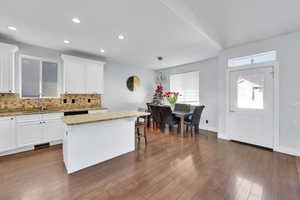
231 111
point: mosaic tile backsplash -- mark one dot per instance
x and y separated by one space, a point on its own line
13 102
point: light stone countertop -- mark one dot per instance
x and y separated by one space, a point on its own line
51 110
98 117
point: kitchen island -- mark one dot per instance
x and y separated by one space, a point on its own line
93 138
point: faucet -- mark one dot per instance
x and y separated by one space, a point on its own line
40 106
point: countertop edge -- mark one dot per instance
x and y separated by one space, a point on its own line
18 113
68 123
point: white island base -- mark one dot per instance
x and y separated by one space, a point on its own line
88 144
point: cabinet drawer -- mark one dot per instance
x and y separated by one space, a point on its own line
28 118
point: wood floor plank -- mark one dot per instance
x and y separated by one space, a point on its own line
169 167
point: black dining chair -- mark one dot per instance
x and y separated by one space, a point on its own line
168 118
193 120
149 116
179 107
140 125
156 116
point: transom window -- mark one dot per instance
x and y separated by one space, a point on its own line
253 59
38 78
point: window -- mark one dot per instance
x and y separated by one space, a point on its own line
187 85
253 59
38 78
250 91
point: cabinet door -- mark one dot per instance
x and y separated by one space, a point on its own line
53 130
94 78
75 74
7 134
29 133
6 72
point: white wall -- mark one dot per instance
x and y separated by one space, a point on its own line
288 51
117 96
208 87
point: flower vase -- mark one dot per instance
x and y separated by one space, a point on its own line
172 107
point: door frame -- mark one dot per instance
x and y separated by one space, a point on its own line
275 66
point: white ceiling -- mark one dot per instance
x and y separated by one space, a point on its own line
179 30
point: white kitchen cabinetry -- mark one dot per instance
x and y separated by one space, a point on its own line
29 133
7 134
94 78
38 129
53 128
7 68
82 76
74 73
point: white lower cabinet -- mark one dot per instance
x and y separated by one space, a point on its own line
53 130
38 129
7 134
29 133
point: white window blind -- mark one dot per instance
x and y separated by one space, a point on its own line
187 84
39 78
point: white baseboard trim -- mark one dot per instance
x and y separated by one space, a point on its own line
288 150
55 142
208 128
222 137
18 150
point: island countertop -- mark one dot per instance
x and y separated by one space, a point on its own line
98 117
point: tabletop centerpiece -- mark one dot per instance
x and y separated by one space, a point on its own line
158 97
172 98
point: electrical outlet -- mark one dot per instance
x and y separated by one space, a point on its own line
206 121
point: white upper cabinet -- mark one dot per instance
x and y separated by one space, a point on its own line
7 67
94 81
82 76
74 73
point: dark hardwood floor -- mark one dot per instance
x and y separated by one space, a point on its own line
170 167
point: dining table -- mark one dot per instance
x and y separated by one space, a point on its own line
179 114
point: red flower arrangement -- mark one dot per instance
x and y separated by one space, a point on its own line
159 89
172 97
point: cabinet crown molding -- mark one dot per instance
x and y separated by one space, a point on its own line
8 47
74 58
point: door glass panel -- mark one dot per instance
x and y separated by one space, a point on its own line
250 91
49 79
30 77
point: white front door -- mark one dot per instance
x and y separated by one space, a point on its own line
251 110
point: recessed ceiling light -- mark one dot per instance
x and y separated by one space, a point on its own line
121 37
66 41
76 20
102 50
12 28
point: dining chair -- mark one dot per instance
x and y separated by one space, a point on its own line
168 118
149 116
156 115
179 107
140 125
193 120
